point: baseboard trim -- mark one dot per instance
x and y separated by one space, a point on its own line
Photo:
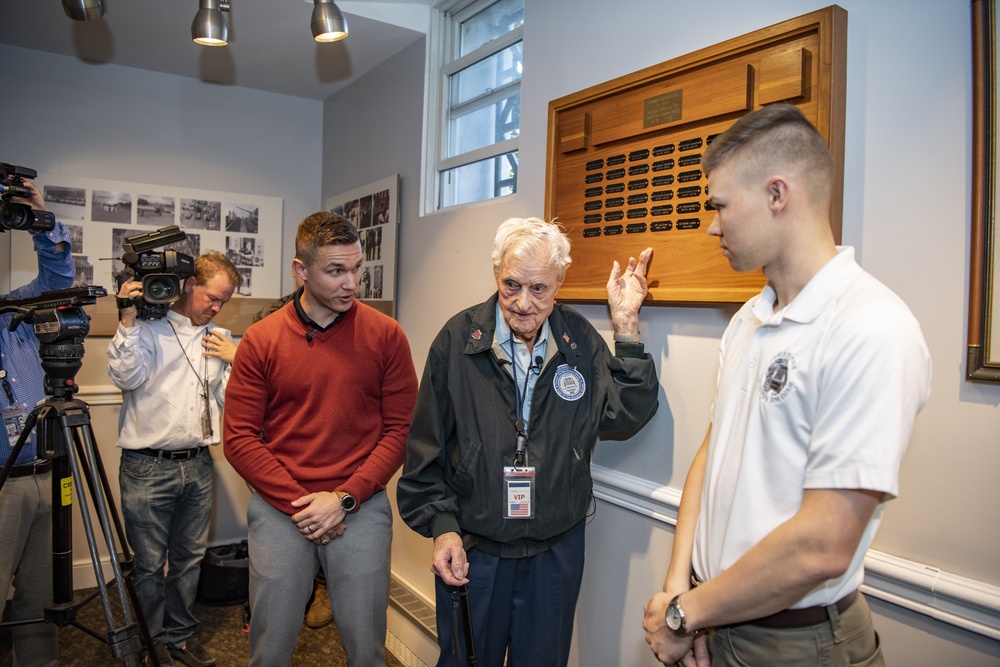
965 603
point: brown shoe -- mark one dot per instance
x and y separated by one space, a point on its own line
162 656
319 613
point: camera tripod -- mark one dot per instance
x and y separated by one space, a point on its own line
63 435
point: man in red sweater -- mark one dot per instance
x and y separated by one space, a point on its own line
317 412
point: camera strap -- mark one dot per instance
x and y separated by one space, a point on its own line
206 414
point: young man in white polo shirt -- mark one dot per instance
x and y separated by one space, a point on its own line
821 378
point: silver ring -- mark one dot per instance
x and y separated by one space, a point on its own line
309 529
325 541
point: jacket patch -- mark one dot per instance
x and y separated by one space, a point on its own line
569 383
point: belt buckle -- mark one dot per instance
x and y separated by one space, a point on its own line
37 465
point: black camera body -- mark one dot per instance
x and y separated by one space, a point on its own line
161 272
60 325
14 215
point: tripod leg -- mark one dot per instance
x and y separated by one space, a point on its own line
86 451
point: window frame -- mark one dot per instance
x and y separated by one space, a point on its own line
442 63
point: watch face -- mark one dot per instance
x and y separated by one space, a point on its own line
673 618
348 503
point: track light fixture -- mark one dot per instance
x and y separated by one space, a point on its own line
83 10
328 22
209 26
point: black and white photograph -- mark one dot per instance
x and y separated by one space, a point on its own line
352 211
200 214
109 206
365 283
365 212
75 238
246 286
380 207
66 202
84 271
242 218
377 282
155 211
371 244
245 250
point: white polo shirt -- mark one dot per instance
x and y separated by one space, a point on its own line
819 395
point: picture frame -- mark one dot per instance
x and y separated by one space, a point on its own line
983 345
374 210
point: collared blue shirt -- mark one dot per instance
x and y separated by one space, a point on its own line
19 348
523 359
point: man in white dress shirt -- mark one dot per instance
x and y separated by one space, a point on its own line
172 372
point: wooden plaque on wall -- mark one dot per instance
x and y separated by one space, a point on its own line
624 157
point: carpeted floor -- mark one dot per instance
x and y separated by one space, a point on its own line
221 632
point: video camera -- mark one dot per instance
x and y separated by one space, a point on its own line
161 272
20 216
60 326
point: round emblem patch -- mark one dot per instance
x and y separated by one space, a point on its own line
775 384
569 383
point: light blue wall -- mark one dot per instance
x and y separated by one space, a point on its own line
906 209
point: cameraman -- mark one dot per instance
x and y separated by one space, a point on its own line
26 497
173 373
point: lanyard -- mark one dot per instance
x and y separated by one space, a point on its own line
206 419
520 455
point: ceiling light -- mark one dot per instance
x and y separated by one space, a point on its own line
209 26
328 23
83 10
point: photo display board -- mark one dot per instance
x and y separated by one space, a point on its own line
100 214
624 157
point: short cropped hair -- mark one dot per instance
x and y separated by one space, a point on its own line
776 136
322 229
527 237
211 263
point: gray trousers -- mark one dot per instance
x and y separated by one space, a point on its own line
26 563
283 565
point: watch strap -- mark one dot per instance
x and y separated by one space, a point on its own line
124 303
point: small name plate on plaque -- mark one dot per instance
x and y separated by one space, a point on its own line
665 108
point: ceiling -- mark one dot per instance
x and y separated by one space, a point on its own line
271 47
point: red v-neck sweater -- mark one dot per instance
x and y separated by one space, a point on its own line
331 413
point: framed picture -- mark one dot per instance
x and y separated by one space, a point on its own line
983 350
374 210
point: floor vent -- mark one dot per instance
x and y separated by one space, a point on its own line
400 651
418 611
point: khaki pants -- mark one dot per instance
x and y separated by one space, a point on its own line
847 639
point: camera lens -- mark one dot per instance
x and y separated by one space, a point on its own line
23 217
161 288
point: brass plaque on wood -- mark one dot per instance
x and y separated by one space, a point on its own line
620 151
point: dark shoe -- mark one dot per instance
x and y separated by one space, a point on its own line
162 656
319 613
193 654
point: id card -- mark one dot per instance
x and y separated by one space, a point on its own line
13 421
519 488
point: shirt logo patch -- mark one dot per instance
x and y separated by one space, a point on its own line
569 383
775 385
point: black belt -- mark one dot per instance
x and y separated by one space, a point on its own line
39 467
176 455
802 618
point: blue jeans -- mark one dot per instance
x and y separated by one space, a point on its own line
167 506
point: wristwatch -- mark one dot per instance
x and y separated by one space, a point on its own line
348 503
123 303
676 620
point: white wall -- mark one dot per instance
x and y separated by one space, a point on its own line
906 210
62 116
